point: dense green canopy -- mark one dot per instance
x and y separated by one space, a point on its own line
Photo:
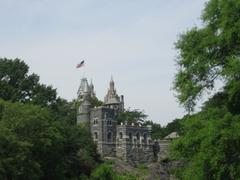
39 138
210 140
209 53
17 85
132 116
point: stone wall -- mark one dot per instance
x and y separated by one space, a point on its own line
103 129
83 118
164 145
134 144
137 154
127 142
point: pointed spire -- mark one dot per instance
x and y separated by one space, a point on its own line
91 86
111 83
84 89
111 78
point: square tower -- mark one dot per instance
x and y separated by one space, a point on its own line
103 128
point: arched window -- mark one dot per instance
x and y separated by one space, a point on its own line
137 136
109 122
120 135
109 136
95 135
145 136
130 136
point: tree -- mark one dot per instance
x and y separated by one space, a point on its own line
39 138
132 116
209 141
159 132
18 86
95 101
26 137
209 146
65 111
33 145
209 53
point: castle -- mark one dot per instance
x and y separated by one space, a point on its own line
128 142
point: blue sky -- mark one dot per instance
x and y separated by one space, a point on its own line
133 40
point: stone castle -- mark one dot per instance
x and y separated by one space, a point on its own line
128 142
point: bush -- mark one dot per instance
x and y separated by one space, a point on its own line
104 172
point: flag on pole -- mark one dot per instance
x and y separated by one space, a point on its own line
81 64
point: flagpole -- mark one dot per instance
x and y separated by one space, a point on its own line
83 70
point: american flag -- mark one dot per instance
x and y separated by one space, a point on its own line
81 64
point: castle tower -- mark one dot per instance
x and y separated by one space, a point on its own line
85 89
85 92
103 125
112 100
83 114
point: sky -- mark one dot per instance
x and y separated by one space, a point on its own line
132 40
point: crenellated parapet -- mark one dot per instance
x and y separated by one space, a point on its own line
134 143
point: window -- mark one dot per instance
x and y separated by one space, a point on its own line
130 136
95 121
120 135
95 135
109 136
137 136
145 136
109 122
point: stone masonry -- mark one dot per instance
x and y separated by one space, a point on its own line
128 142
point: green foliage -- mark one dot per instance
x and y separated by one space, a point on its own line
159 132
106 171
14 157
143 169
132 116
35 146
95 101
65 111
209 53
18 86
209 146
174 126
210 140
39 138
